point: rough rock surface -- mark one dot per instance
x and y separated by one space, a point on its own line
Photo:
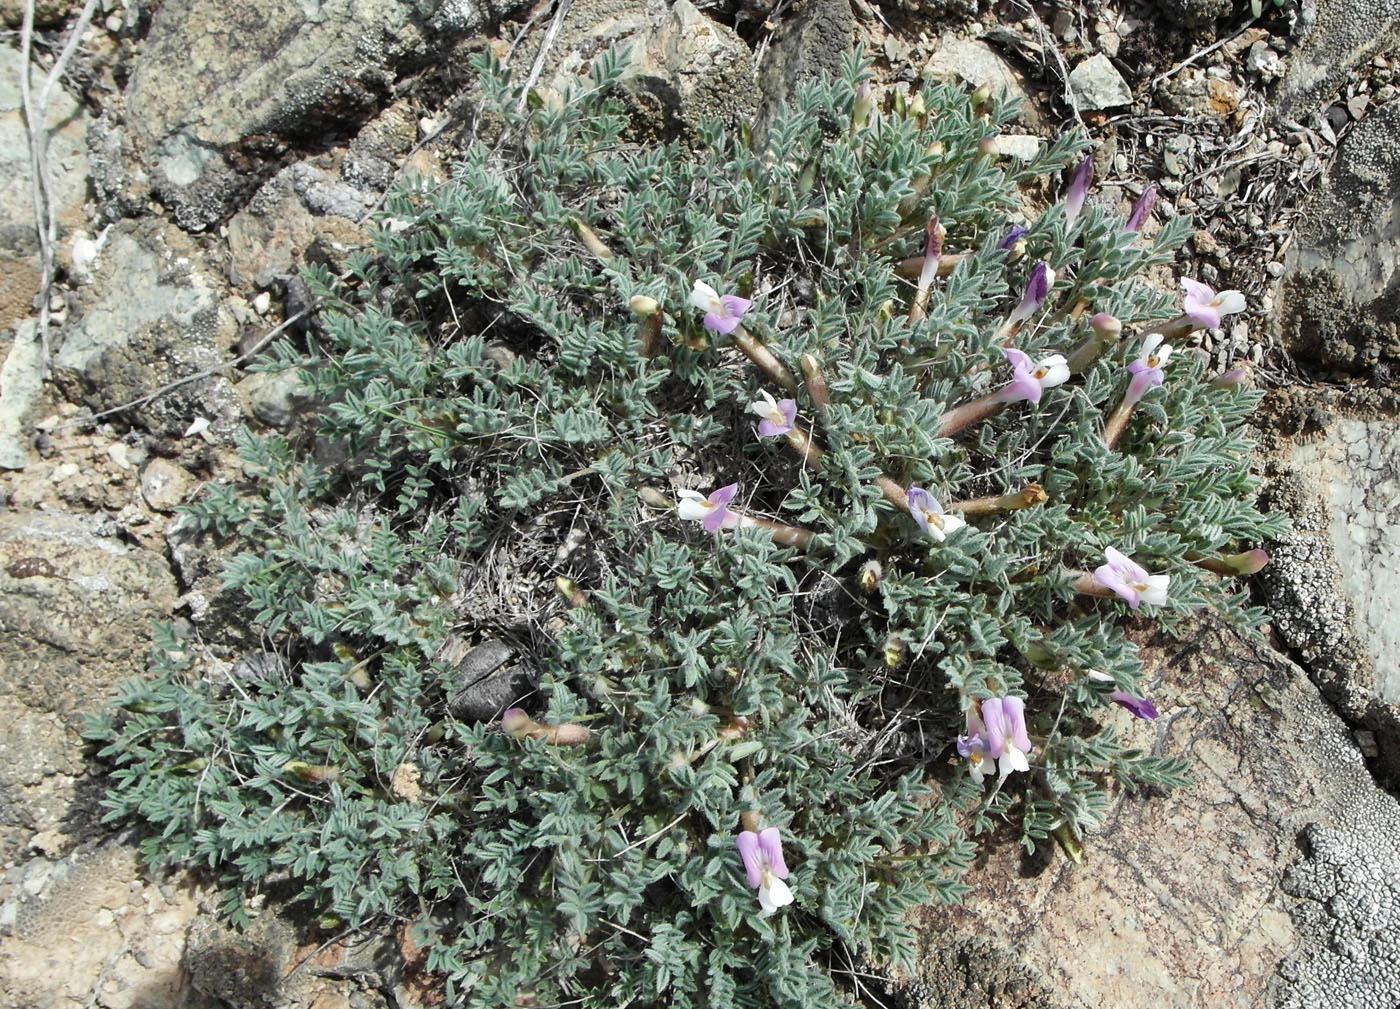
1340 35
975 63
88 930
76 608
812 41
67 123
151 315
219 86
1341 295
684 69
1179 900
1356 464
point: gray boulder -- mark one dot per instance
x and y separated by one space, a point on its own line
1340 294
222 90
1338 37
1181 899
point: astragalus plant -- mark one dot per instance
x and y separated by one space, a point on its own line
813 485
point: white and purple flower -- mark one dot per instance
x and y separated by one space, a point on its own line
974 748
930 516
722 312
777 417
1205 307
1130 581
762 852
712 512
1007 739
1147 369
1030 378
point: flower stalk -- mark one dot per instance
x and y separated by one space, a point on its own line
1029 496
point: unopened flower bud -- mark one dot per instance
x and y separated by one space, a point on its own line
980 97
870 574
917 107
1241 375
987 146
1248 562
1106 327
935 149
643 305
864 104
895 651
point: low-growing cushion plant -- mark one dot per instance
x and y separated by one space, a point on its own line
817 488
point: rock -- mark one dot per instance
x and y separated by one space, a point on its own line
275 398
221 90
486 680
165 485
1021 146
240 969
268 237
1340 296
1178 902
684 68
811 39
1196 13
1329 598
975 63
1264 61
21 383
67 123
1339 37
1355 465
150 316
90 923
76 608
1098 85
47 13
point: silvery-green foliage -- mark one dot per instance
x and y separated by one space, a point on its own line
481 383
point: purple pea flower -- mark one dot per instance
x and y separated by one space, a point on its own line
1007 740
1142 707
1130 581
712 512
1029 379
1037 289
1142 206
1147 369
1078 189
973 746
762 852
1205 307
1012 237
930 516
722 313
778 417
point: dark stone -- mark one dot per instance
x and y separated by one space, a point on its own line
487 682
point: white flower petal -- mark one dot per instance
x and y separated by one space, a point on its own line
952 523
773 895
1155 590
200 425
1056 371
692 506
705 297
1230 302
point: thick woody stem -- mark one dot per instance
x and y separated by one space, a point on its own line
909 269
649 335
816 382
1086 586
783 534
893 492
590 240
968 414
1117 422
1027 497
802 444
764 359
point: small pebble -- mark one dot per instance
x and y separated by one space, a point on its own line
1256 353
1275 269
